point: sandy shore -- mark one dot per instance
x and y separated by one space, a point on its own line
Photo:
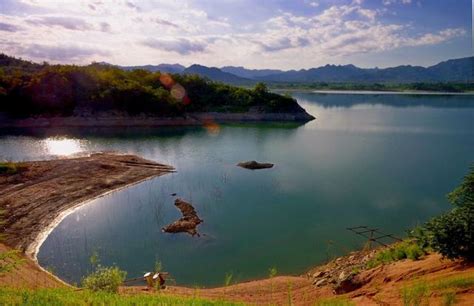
44 192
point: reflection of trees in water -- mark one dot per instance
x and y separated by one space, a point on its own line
404 100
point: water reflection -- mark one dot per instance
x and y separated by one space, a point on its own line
63 146
393 100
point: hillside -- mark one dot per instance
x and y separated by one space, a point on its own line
217 75
458 70
28 89
455 70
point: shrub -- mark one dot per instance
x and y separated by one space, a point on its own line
104 279
8 168
403 250
415 295
452 234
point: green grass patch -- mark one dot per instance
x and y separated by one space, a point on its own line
416 295
9 168
449 298
455 283
403 250
338 301
10 296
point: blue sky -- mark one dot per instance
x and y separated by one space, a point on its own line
256 34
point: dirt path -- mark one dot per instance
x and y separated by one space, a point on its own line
39 195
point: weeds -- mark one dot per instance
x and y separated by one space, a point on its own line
9 168
106 279
453 283
449 298
272 272
415 295
405 249
63 296
334 302
228 279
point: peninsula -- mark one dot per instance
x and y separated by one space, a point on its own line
42 95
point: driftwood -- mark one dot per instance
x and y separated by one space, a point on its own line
187 223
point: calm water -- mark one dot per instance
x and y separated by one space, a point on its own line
383 161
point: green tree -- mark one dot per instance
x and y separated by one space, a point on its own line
452 234
260 88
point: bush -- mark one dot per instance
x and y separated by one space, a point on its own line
8 168
403 250
104 279
452 234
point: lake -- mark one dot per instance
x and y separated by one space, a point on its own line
384 161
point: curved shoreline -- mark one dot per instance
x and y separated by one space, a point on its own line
43 193
33 248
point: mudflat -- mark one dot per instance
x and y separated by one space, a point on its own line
36 197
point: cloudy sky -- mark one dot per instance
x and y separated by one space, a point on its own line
285 34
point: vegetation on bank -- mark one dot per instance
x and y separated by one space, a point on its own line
419 292
66 296
28 89
407 249
450 234
10 168
400 87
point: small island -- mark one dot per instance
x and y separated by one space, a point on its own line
43 95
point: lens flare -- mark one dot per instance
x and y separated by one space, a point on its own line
178 92
186 100
166 80
212 127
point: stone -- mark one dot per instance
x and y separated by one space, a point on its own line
253 165
318 274
321 282
348 285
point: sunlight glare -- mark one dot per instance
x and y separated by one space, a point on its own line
63 146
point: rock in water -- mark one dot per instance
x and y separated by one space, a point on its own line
187 223
253 165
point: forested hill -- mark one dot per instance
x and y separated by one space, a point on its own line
28 89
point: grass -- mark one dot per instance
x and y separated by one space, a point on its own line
455 283
10 296
339 301
104 279
403 250
418 293
449 298
415 295
9 168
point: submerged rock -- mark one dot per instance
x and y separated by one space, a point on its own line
253 165
187 223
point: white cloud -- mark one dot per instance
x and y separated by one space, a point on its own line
390 2
131 32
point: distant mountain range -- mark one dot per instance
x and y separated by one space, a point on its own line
456 70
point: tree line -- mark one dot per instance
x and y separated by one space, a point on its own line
29 89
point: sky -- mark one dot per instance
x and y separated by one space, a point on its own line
280 34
